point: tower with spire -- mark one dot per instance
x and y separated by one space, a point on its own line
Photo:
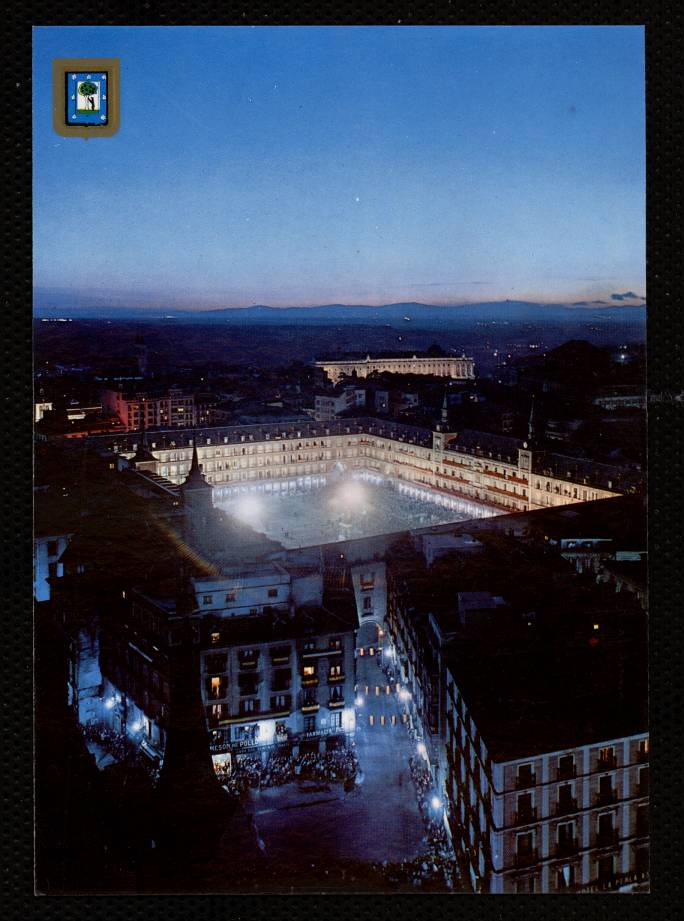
445 412
197 500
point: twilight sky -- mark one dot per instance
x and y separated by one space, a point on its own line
311 165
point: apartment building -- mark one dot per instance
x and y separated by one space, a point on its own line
532 722
170 408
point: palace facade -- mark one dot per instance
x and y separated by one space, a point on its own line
458 368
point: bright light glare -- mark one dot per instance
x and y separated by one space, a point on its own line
249 507
352 493
436 802
359 701
110 703
404 694
136 726
422 750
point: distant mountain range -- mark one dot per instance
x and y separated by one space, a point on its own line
53 306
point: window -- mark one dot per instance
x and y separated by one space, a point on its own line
367 603
335 720
565 877
525 812
607 756
310 646
525 776
642 861
52 548
335 671
566 766
230 597
309 671
335 642
207 599
643 781
215 638
280 702
281 679
524 844
215 663
605 828
309 724
643 750
273 593
566 802
606 792
565 835
249 706
642 821
605 867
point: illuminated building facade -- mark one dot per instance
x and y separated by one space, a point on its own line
173 408
457 368
502 473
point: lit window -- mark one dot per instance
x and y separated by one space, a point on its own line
309 671
207 599
215 638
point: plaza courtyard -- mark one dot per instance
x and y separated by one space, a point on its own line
321 510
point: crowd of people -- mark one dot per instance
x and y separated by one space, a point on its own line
429 871
440 850
337 766
120 747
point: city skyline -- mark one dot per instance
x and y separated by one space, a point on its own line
512 167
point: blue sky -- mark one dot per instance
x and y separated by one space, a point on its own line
312 165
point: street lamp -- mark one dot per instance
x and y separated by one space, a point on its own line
436 803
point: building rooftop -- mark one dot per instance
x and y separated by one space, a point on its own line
551 689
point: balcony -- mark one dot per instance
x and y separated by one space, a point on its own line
567 847
642 756
525 817
607 838
335 703
606 797
566 806
311 708
248 663
608 763
525 780
336 679
309 681
642 788
527 859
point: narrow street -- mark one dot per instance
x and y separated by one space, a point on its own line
377 821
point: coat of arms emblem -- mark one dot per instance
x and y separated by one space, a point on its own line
85 96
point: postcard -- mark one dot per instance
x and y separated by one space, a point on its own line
340 460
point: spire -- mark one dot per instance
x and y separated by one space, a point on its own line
445 409
195 478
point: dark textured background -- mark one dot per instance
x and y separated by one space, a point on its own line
664 291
